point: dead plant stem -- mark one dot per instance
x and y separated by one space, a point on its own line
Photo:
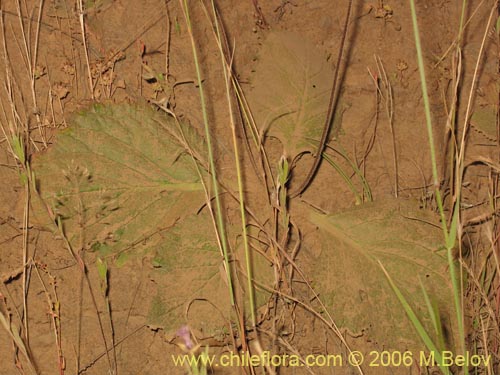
31 62
389 108
332 107
81 15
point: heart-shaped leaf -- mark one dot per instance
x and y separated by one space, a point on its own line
351 283
290 91
123 185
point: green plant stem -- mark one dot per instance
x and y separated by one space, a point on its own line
417 324
462 21
344 175
449 234
213 172
248 259
428 118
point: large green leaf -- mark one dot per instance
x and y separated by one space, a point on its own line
290 91
124 186
350 281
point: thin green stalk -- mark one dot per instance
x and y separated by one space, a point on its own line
461 25
248 259
449 234
417 324
213 171
344 175
367 193
428 118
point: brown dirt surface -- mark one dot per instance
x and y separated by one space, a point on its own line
140 52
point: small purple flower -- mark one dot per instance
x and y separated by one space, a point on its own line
185 335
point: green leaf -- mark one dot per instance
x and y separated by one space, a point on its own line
118 172
190 274
351 283
122 185
102 269
291 90
18 148
415 321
